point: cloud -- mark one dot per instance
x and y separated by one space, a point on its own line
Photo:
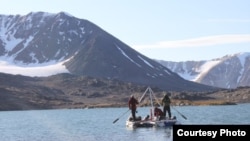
198 42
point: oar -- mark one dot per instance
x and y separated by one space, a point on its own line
120 116
179 113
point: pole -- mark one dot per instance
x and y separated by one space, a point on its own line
120 116
179 113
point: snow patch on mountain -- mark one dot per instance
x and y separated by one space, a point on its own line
35 69
205 68
188 76
127 56
242 57
199 71
146 62
8 37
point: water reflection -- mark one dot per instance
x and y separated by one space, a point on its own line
151 134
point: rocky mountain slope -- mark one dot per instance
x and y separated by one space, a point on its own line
82 48
230 71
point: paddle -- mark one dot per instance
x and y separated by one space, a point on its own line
120 116
179 113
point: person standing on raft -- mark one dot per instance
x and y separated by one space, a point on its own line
132 106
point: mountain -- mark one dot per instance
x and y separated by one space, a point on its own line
40 39
230 71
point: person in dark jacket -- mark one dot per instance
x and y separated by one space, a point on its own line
166 105
132 106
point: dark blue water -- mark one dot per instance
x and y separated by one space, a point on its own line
97 124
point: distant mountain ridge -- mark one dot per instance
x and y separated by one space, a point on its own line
82 48
230 71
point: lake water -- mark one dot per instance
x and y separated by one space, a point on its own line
97 124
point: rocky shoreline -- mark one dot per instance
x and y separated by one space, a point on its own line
68 92
174 103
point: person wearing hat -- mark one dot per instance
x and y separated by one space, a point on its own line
132 106
166 105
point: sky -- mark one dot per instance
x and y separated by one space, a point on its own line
170 30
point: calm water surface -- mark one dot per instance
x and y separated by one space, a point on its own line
97 124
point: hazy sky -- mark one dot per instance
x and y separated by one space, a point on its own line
172 30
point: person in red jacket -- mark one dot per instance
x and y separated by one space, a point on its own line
158 113
132 106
